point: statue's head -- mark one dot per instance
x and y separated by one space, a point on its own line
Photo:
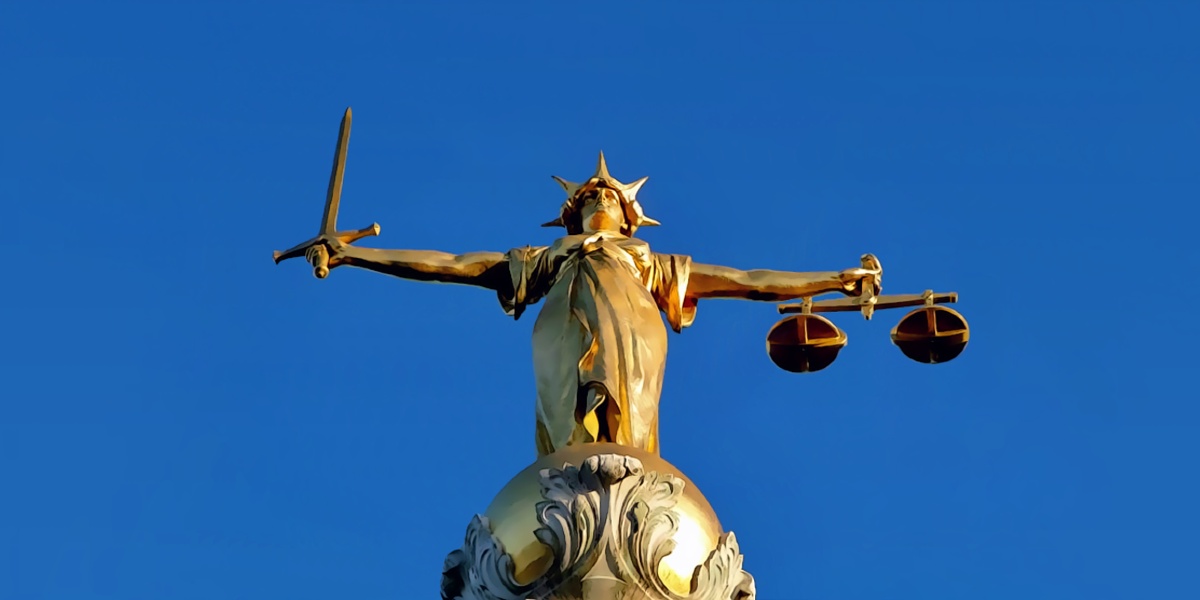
601 204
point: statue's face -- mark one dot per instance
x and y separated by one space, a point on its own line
602 211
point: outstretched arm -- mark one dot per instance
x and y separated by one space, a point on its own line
715 281
483 269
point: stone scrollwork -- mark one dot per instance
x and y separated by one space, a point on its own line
481 569
608 524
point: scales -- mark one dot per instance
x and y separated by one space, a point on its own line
805 341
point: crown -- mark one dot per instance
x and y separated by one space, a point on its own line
569 214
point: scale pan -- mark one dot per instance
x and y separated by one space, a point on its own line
804 343
932 334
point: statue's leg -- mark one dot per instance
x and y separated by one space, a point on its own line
610 424
592 421
586 431
545 445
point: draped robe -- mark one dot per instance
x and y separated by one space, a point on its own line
599 338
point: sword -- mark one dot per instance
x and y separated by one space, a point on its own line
319 258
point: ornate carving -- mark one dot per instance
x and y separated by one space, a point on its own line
608 524
481 568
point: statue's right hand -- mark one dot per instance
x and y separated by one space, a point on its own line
326 253
327 250
334 247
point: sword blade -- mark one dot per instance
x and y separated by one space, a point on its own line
333 196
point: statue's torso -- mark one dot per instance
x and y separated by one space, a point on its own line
600 326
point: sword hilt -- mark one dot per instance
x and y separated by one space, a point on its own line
319 255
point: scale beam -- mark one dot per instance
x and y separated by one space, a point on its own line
881 302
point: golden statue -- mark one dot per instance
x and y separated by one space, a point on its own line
599 342
599 514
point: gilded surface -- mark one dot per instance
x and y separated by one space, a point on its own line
597 521
514 522
599 343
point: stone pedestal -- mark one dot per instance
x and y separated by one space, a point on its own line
597 522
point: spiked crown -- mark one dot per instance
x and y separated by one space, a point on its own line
569 215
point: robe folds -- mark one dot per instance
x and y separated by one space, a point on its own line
601 329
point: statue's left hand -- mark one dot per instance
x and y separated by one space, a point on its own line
871 273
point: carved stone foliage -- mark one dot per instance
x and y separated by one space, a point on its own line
608 524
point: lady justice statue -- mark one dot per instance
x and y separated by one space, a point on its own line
599 343
599 347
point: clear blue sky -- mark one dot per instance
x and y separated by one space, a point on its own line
180 418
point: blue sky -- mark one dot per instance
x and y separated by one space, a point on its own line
180 418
